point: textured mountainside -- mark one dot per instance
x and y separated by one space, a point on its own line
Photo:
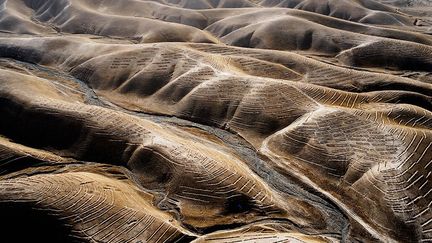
216 120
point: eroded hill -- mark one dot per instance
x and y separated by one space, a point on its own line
216 120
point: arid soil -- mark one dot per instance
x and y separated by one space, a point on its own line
216 121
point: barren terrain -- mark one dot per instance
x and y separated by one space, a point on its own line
216 121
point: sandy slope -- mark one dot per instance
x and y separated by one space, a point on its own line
216 120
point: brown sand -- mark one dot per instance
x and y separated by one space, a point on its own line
216 120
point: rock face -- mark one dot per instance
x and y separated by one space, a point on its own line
216 120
